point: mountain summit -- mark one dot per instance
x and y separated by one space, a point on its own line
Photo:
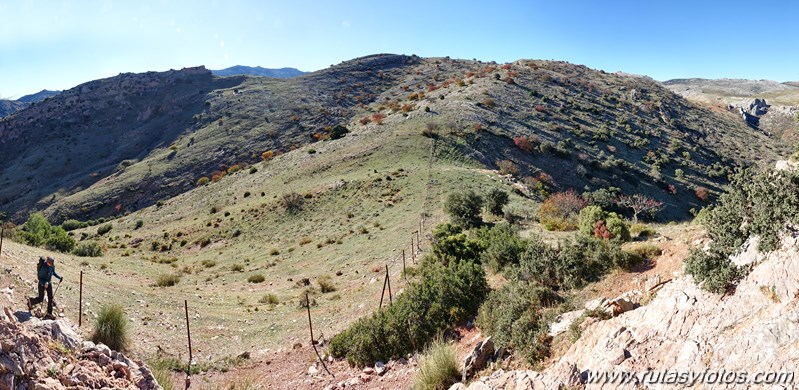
242 70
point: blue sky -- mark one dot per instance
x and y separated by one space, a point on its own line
60 44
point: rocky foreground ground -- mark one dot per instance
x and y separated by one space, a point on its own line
36 354
754 329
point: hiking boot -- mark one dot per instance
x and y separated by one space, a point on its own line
48 316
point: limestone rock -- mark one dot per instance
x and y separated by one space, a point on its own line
478 358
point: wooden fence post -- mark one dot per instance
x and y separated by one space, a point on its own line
404 271
388 280
188 334
80 300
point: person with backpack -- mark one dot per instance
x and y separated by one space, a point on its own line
46 271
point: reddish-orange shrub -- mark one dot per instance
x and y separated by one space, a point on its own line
702 193
267 155
523 143
378 118
560 211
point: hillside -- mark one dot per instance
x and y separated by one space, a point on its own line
38 96
8 107
241 70
763 104
127 142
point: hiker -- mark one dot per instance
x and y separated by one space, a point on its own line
46 273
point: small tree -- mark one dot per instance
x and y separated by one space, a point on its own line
464 208
496 199
640 204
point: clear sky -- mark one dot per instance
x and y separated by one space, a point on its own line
60 44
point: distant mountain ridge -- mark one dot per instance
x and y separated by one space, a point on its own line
8 107
38 96
241 70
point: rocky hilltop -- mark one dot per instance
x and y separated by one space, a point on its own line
37 354
684 328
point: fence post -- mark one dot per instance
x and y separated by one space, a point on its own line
388 280
80 300
2 233
382 294
404 271
188 334
310 327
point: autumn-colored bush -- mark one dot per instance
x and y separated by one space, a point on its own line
560 211
702 193
378 118
267 155
523 143
364 120
217 175
507 167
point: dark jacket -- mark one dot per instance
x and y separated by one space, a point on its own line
46 274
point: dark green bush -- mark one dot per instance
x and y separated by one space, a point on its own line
60 241
103 229
72 224
464 209
88 249
502 246
139 224
756 203
496 199
513 316
443 296
451 244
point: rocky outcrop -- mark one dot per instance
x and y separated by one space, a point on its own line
686 329
50 355
478 358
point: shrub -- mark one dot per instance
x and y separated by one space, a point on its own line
167 280
293 202
270 299
502 246
442 296
496 199
257 278
560 211
702 193
716 272
598 223
36 230
439 367
111 328
450 244
507 167
514 321
60 241
72 224
237 268
338 132
644 251
326 284
203 181
208 263
464 208
523 143
88 249
139 224
103 229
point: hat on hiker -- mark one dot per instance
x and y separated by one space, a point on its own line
50 260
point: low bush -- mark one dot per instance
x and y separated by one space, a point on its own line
88 249
103 229
270 299
167 280
451 244
501 246
72 224
443 296
644 250
595 222
257 278
326 284
439 367
293 202
111 328
515 321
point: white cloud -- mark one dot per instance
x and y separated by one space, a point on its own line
346 24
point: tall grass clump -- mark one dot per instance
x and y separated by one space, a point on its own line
439 367
111 328
167 280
